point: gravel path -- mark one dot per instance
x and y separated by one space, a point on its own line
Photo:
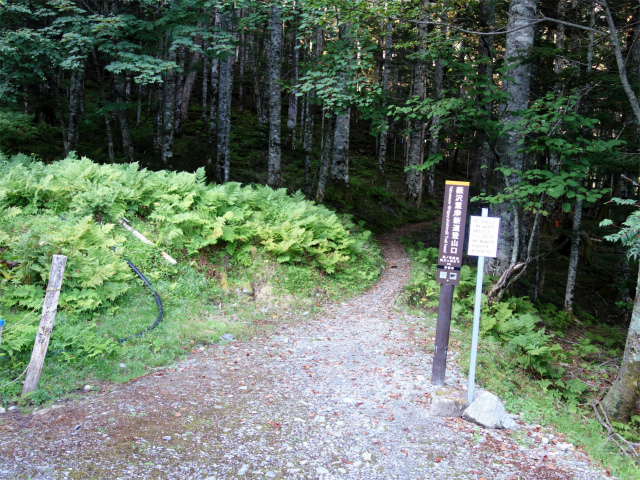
343 397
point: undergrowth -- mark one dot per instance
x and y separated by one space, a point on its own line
524 358
249 258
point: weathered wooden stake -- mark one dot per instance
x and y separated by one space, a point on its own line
46 324
439 368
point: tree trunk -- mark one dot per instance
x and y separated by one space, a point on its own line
340 156
168 114
386 78
414 151
179 81
308 119
519 42
187 88
213 102
482 157
623 395
205 86
223 153
573 259
157 123
127 148
107 126
434 144
292 113
274 64
325 158
75 101
308 141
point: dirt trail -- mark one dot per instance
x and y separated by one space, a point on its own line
345 396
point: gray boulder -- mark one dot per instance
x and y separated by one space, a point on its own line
447 404
487 410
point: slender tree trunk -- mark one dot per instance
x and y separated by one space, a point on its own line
573 259
308 119
168 113
308 141
139 106
624 394
187 88
325 159
205 86
213 102
107 126
386 78
519 42
274 63
55 87
75 101
340 156
434 144
157 130
223 153
482 157
342 129
127 148
416 138
292 113
241 66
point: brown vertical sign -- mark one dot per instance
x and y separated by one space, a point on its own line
454 216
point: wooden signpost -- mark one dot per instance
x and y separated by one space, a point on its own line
46 324
454 215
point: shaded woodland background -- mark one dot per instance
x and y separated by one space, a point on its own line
367 106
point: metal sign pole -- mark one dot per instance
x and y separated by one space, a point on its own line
476 323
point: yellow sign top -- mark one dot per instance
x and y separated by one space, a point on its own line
453 182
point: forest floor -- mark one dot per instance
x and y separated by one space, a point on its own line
344 395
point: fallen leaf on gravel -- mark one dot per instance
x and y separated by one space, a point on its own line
395 396
438 460
178 414
269 396
359 403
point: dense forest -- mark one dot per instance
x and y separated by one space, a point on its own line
535 102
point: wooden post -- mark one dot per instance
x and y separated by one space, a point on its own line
46 324
443 325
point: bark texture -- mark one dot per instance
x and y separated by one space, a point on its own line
483 155
325 158
274 65
519 42
623 395
75 101
386 78
223 153
573 259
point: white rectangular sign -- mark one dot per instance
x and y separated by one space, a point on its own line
483 236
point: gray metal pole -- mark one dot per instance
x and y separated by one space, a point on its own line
476 323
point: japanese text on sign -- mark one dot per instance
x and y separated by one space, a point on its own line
483 236
454 213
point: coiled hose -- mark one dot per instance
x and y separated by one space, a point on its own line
154 293
158 303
